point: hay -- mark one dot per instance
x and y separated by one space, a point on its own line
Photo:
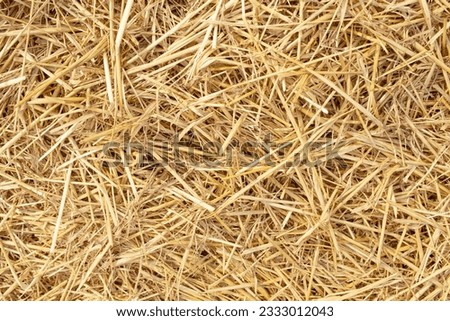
224 150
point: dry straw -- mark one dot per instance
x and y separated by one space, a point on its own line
224 150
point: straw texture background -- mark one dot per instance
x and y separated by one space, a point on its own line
300 150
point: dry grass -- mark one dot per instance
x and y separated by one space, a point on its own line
362 85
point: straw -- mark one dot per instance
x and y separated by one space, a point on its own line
224 150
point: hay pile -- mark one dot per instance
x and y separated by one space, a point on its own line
224 150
